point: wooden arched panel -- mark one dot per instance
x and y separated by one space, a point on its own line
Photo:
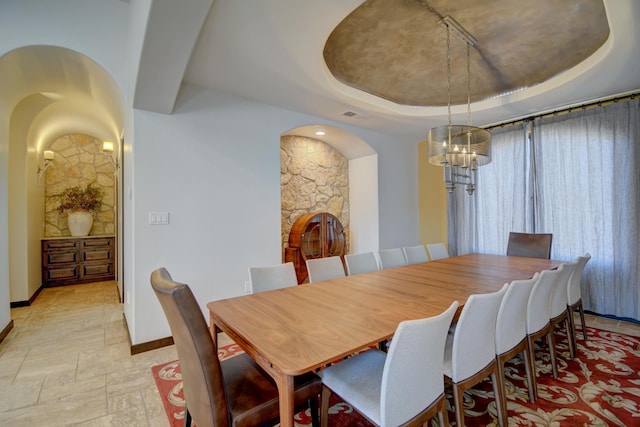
314 235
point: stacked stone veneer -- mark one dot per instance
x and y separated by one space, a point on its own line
314 177
79 160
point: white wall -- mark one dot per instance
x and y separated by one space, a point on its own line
5 312
26 215
214 165
398 189
363 204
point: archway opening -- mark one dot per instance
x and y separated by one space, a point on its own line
63 93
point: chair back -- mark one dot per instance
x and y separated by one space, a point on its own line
361 263
320 269
539 304
574 293
390 258
473 346
201 372
272 277
530 245
558 299
511 322
437 251
415 254
412 375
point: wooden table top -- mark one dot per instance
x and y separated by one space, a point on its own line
295 330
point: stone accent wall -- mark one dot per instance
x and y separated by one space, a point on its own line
79 160
314 177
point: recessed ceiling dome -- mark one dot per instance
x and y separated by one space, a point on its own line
396 49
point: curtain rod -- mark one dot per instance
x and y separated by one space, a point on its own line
586 106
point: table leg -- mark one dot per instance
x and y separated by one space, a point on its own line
213 330
285 392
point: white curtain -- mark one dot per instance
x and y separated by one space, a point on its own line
481 222
576 176
588 182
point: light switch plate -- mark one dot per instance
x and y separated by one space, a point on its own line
158 218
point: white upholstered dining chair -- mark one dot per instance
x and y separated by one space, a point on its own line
470 355
558 311
511 334
574 297
390 258
270 277
539 314
437 251
403 387
415 254
320 269
361 263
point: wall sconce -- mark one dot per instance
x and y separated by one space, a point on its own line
48 157
107 149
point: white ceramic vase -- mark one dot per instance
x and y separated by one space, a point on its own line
80 223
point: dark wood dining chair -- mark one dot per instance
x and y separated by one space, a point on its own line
530 245
233 392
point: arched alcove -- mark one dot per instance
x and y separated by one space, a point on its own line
49 92
354 188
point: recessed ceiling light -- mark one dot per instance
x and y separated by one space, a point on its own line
320 132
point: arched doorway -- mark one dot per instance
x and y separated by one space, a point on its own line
63 93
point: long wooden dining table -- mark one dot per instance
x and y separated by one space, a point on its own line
298 329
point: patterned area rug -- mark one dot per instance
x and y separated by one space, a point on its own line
600 387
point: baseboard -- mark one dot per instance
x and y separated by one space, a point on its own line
151 345
146 346
6 330
16 304
611 316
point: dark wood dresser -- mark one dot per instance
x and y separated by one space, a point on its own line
72 260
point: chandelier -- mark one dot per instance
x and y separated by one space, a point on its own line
459 149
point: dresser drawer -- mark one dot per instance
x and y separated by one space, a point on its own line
94 243
62 274
60 257
53 245
95 270
96 254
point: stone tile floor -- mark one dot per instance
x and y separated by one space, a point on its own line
67 362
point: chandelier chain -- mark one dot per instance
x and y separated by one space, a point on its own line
468 83
449 75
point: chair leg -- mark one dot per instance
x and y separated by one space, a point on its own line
501 400
584 325
551 340
567 327
502 406
313 408
530 369
324 406
443 417
458 401
187 416
572 327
